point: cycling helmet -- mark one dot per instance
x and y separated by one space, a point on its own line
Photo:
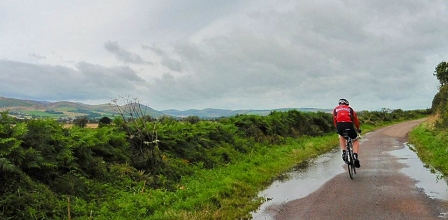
343 101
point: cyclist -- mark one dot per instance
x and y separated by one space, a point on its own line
344 117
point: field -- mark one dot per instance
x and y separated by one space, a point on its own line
89 125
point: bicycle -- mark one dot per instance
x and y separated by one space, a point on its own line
349 155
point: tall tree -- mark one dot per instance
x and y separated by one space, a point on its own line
441 72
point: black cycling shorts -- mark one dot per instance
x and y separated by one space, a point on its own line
341 126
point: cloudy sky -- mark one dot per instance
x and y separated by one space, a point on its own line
233 54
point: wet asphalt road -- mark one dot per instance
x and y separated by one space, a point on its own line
379 190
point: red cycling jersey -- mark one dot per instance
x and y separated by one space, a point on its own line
345 113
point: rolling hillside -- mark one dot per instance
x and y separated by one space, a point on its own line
64 109
215 113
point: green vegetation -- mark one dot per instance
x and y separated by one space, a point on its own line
138 167
54 112
441 72
431 146
42 114
431 137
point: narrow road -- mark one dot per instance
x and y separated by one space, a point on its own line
379 190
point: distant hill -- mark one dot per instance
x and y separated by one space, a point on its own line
215 113
64 109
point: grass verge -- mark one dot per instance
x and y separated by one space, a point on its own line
232 191
431 146
228 192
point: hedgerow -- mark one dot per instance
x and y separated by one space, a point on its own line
48 171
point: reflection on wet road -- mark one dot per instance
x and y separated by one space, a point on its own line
301 182
428 180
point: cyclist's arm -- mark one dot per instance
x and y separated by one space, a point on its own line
334 117
356 120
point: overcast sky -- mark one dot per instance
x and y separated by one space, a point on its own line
233 54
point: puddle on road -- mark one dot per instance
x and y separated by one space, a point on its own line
432 182
301 182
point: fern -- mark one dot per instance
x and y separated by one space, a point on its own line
7 166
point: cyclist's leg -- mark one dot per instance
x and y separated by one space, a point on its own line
342 143
354 135
356 146
355 154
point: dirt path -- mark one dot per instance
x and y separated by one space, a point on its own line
379 190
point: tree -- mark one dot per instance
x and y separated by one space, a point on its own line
441 72
81 121
105 121
192 119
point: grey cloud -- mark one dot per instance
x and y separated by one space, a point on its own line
155 49
182 19
110 75
315 52
124 55
172 64
241 54
167 61
145 47
37 56
87 82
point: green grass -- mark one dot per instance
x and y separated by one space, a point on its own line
228 192
232 190
431 145
43 114
66 109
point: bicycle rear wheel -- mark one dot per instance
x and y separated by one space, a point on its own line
351 164
350 170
